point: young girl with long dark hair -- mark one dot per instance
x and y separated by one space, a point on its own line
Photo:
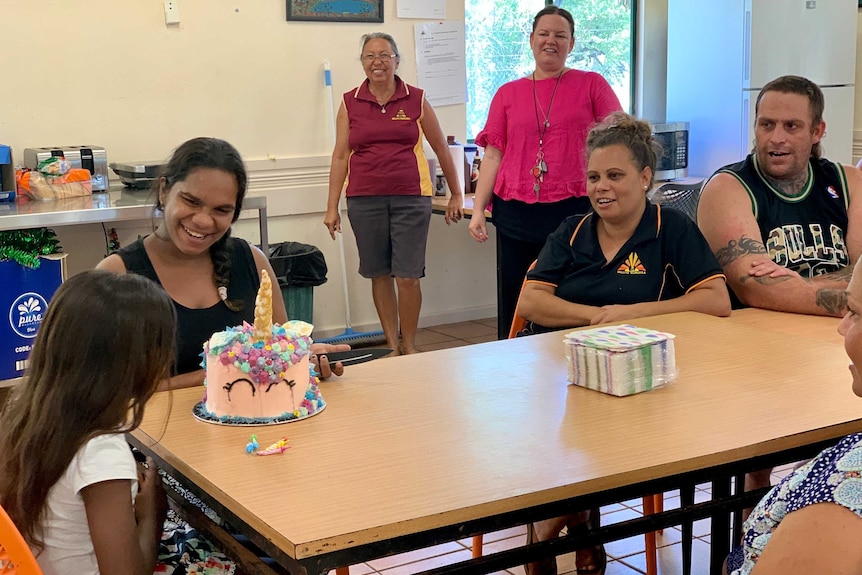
69 481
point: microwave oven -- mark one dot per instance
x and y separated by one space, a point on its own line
672 163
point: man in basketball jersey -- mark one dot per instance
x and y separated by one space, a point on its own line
784 223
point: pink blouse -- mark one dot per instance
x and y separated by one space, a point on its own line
582 100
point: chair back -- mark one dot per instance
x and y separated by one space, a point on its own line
15 555
518 321
683 197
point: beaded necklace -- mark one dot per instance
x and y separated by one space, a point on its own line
541 168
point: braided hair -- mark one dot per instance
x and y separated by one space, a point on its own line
220 155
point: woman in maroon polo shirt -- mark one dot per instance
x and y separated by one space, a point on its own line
378 161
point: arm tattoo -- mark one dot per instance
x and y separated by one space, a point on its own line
832 300
737 248
764 280
842 275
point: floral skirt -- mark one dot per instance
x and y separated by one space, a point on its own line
184 550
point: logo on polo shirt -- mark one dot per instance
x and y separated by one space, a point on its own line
401 115
632 266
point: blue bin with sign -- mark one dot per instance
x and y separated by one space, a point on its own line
24 297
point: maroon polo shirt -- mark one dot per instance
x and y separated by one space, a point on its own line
386 156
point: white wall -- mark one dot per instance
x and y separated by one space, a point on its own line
112 74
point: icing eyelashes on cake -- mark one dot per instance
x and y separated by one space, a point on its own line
290 384
229 386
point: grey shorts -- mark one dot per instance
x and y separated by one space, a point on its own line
391 234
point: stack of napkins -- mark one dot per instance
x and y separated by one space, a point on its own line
620 359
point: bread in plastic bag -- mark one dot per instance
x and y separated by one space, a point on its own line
75 182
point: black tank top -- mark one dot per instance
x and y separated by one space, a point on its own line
195 326
805 233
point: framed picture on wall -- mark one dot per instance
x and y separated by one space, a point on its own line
336 10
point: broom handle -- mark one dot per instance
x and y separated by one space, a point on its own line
327 80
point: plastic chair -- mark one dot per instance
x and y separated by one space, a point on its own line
518 321
15 555
683 197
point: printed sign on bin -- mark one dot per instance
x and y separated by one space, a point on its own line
24 297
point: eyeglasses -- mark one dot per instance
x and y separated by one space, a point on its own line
382 57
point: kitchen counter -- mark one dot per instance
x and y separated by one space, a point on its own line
119 203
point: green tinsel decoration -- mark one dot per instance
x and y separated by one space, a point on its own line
25 246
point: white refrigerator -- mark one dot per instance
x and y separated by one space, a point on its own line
721 52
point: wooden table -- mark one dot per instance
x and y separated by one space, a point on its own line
415 450
805 326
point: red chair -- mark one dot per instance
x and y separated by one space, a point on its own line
15 555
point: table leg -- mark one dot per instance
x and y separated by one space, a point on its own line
719 535
686 499
739 487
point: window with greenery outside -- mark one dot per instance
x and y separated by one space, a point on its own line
498 46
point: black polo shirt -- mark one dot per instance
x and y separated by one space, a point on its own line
665 258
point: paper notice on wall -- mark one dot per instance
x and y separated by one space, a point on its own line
441 62
435 9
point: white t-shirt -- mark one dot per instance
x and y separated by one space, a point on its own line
68 546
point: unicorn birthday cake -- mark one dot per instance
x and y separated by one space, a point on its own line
260 374
620 359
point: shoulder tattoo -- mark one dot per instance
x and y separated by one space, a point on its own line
735 249
833 301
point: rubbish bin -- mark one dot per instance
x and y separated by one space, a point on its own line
298 268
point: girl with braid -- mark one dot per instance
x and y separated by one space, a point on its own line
211 277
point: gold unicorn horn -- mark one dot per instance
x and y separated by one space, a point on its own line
263 309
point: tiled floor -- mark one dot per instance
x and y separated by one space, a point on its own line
456 334
625 557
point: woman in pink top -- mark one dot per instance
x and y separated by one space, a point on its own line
533 168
